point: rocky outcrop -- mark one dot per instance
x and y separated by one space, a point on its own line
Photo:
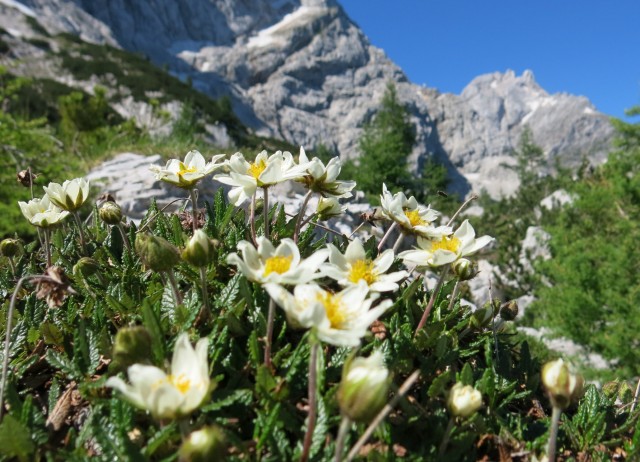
302 71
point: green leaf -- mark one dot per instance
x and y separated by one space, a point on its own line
151 321
15 440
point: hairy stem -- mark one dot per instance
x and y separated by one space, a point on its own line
78 221
386 235
553 435
462 207
174 287
432 299
252 219
269 335
265 212
194 206
311 419
445 440
125 238
303 208
345 424
454 295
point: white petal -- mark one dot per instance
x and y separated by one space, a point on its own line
355 251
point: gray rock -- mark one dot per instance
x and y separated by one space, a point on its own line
557 199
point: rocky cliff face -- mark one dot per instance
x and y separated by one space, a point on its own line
301 70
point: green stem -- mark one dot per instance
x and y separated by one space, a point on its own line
125 238
303 208
432 299
345 424
553 435
185 428
78 221
313 385
454 295
194 205
269 335
447 436
206 309
13 266
252 220
265 212
174 287
47 247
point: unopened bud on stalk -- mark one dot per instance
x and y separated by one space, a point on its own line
156 253
364 387
132 345
483 316
464 400
86 266
509 310
563 386
110 213
200 250
205 445
329 208
464 269
10 248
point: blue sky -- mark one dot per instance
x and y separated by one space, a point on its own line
586 47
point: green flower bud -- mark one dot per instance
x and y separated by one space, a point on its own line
563 386
110 213
509 310
364 387
483 316
156 253
86 266
132 345
464 269
200 250
204 445
10 248
464 400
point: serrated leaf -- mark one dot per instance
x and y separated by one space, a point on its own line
151 321
241 396
439 385
64 364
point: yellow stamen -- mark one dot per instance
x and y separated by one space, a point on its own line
184 169
277 265
256 168
332 308
447 243
182 383
363 269
414 218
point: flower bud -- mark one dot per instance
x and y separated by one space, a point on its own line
110 213
329 208
10 248
464 269
364 387
86 266
509 310
200 250
483 316
156 253
26 178
207 444
464 400
563 386
132 345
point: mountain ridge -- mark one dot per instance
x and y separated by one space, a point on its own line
304 72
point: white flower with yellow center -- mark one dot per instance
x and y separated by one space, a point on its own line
340 319
168 396
354 266
447 249
464 400
324 179
185 174
69 195
281 265
42 213
411 216
246 177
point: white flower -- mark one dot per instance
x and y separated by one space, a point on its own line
411 216
281 265
446 249
42 213
329 208
265 171
464 400
323 179
70 195
172 395
340 319
185 174
354 266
